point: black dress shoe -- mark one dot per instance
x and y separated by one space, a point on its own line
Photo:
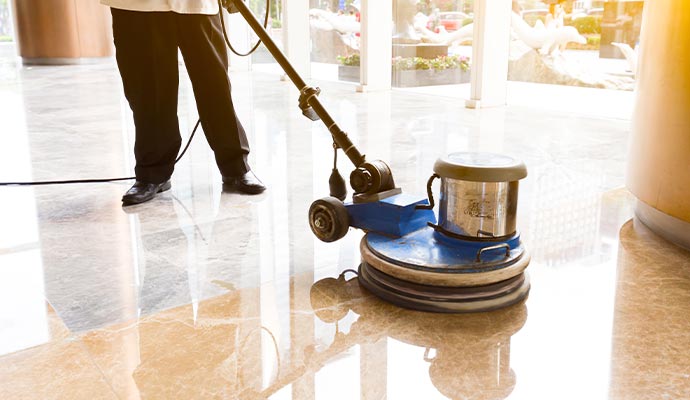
247 183
143 191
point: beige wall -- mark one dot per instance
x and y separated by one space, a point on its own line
659 159
62 29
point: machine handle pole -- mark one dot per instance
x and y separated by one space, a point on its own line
339 136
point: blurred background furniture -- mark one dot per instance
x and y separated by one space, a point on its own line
62 31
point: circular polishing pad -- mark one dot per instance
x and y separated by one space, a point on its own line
444 299
424 259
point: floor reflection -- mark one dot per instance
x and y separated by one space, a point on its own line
468 356
226 347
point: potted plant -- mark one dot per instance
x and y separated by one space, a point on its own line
414 71
442 70
348 70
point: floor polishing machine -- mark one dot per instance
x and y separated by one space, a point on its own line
469 259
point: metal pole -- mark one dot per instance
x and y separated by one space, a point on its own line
339 137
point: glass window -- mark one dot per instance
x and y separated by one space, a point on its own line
261 59
6 33
432 45
575 43
335 32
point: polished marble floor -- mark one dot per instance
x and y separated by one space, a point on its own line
205 294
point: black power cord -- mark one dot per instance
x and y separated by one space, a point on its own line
103 180
227 4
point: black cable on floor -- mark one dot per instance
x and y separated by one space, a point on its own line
104 180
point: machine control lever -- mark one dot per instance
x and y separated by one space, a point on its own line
496 247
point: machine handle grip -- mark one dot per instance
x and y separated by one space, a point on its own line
429 193
495 247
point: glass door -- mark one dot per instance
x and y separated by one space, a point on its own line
432 46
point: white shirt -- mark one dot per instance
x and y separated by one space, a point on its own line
208 7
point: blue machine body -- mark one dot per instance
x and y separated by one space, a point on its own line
395 216
399 232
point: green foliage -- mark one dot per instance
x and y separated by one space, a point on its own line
351 60
276 24
590 24
427 6
467 21
586 25
411 63
532 4
5 38
593 42
439 63
532 19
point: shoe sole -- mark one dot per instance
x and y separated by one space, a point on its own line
234 187
251 191
165 187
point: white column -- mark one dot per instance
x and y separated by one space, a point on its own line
490 53
296 38
376 45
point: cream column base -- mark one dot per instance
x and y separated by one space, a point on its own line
473 104
670 228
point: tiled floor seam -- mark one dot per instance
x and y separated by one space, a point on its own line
98 367
75 337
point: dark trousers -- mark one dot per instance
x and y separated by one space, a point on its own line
146 46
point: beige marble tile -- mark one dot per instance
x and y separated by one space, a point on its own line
187 352
651 333
56 326
57 370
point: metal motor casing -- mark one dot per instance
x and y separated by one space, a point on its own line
479 193
478 209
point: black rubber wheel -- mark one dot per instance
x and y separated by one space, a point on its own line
328 219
